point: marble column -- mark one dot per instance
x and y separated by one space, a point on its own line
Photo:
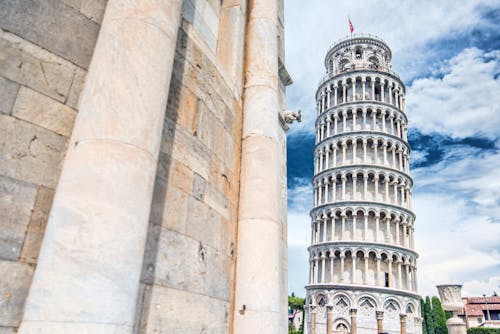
88 271
380 323
313 320
354 325
402 321
259 283
329 319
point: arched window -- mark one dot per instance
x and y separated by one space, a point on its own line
344 65
330 65
359 53
374 62
321 302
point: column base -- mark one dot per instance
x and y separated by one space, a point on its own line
456 326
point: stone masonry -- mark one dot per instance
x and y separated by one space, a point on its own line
132 186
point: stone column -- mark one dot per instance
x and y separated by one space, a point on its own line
380 323
363 83
313 320
389 264
325 182
354 325
329 319
353 274
402 321
332 259
353 83
365 275
327 157
354 227
88 271
342 227
378 271
364 150
259 283
323 267
311 271
334 188
342 263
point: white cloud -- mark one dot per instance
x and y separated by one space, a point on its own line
456 233
465 102
407 26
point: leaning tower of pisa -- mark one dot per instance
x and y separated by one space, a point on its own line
362 258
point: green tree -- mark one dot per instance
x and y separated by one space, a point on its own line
429 323
296 304
438 317
422 312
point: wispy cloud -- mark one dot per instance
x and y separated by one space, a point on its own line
464 102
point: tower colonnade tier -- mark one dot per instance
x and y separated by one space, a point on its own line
362 262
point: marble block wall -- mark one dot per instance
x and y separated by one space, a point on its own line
45 50
188 275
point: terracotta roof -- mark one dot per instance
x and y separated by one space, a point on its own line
480 300
476 305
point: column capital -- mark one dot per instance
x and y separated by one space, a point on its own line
353 312
380 315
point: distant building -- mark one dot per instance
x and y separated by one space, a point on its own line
295 318
481 311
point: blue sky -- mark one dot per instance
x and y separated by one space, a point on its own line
448 55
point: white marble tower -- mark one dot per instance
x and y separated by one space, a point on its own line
362 259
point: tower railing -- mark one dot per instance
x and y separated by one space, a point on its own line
358 67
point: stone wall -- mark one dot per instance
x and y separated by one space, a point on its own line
45 49
188 275
188 269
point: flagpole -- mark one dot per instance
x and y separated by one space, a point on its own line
351 27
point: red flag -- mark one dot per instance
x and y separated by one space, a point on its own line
351 27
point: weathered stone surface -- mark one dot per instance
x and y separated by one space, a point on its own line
204 223
41 110
8 330
186 263
199 185
190 314
181 262
32 66
16 201
76 88
8 93
185 148
30 153
52 25
36 227
14 286
93 9
217 200
182 106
